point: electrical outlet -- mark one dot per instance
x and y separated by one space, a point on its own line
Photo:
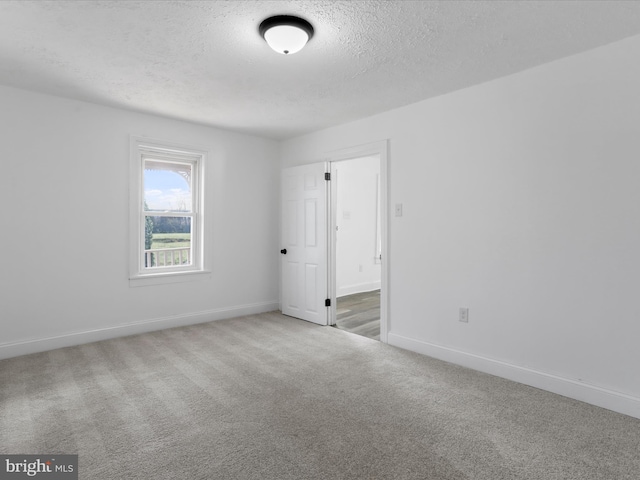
463 315
360 268
398 209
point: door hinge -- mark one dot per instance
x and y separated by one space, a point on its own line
327 302
327 176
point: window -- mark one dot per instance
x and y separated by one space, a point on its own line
167 222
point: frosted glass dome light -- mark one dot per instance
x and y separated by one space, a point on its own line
286 34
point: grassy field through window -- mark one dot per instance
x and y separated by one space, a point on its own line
171 240
175 241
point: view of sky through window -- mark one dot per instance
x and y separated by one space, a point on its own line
166 190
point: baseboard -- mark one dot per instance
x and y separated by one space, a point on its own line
16 349
359 288
601 397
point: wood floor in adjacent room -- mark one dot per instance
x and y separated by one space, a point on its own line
360 314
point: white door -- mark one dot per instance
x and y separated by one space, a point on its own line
304 243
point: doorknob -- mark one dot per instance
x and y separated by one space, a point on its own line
283 251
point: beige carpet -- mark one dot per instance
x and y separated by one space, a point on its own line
269 397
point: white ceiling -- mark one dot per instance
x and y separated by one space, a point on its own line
204 61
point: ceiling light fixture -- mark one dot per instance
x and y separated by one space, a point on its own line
286 34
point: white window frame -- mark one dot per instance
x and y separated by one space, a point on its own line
143 149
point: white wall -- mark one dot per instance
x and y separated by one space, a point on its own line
356 267
64 191
521 202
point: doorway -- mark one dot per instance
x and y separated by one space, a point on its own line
375 247
355 208
308 289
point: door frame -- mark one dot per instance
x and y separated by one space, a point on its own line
380 149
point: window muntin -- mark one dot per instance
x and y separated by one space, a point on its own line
168 202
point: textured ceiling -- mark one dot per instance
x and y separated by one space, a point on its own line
204 61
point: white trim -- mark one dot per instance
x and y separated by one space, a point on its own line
601 397
15 349
380 149
164 278
358 288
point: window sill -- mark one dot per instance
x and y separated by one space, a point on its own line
168 277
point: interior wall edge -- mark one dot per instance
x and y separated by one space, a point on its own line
16 349
358 288
592 394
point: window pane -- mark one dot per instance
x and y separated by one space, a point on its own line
167 186
167 241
